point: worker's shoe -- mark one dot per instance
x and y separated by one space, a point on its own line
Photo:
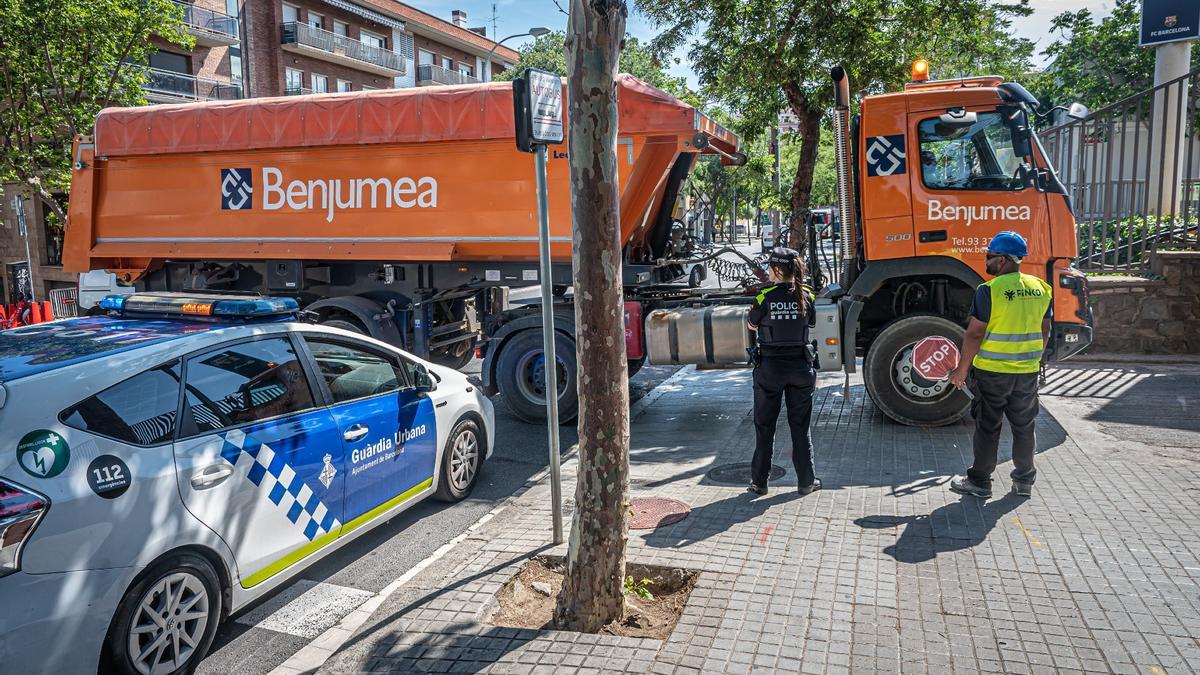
807 490
757 489
1022 488
963 485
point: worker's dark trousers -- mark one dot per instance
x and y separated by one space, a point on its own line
778 378
1000 395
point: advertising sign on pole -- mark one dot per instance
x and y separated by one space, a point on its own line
538 115
1169 21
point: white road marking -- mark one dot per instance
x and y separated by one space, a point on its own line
306 608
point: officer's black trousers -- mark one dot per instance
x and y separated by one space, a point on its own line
779 378
1000 395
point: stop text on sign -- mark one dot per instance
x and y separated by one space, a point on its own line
941 354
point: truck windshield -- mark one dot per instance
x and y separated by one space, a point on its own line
978 157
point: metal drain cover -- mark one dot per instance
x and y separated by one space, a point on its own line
739 474
652 512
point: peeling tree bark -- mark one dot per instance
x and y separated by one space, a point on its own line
592 589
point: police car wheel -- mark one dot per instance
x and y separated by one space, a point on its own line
521 375
166 621
893 385
461 461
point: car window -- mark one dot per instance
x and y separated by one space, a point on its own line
352 372
139 411
979 157
241 383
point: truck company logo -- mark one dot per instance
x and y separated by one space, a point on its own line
237 189
972 213
885 155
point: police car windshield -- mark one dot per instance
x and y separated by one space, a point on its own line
38 348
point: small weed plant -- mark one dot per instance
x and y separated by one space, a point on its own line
639 588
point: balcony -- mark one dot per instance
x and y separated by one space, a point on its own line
165 86
297 91
302 38
429 74
210 28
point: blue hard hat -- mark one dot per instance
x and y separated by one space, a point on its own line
1008 243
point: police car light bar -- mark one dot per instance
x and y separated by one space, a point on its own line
199 305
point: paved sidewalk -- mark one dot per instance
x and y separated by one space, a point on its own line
884 570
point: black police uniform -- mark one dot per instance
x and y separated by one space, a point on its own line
784 372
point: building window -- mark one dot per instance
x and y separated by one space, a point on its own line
314 20
366 88
293 80
341 28
425 58
291 14
343 85
464 69
320 83
235 64
371 39
175 63
231 7
447 63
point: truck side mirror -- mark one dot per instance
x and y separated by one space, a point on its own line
1078 110
957 118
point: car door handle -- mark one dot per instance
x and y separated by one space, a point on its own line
211 475
355 432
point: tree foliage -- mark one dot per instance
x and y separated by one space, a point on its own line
761 57
548 53
1096 62
61 61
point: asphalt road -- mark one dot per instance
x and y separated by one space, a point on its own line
261 637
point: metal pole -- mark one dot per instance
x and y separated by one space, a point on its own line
19 208
551 368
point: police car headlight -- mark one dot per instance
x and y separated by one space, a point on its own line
20 512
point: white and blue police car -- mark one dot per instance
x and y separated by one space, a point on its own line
166 465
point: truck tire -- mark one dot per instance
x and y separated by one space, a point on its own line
519 373
450 360
345 323
894 387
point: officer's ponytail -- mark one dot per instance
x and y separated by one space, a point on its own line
793 275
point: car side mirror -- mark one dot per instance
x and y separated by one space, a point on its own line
957 118
424 380
1078 110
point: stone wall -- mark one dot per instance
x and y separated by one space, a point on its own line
1160 315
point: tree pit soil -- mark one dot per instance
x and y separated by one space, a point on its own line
522 604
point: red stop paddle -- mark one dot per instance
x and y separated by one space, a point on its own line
935 357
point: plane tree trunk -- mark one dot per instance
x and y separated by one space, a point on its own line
591 595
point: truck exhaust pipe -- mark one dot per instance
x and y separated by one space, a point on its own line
845 192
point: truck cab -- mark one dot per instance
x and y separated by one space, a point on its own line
937 170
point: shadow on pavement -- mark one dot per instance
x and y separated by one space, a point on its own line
1154 397
718 517
955 526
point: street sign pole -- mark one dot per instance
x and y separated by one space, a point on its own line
537 107
19 208
551 368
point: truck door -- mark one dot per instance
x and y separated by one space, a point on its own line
389 435
258 462
969 184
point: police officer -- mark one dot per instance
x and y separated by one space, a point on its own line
781 316
1002 354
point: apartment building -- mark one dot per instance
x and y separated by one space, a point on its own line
271 48
318 46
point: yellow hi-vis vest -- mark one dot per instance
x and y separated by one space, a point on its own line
1013 341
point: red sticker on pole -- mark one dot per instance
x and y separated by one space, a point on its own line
935 357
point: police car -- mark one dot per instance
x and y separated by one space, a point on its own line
165 465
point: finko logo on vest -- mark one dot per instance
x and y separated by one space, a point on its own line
330 195
973 213
1013 294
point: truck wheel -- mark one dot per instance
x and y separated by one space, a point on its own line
893 384
344 323
450 360
168 618
696 277
521 370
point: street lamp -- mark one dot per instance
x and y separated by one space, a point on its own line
536 32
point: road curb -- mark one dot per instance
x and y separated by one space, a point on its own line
315 654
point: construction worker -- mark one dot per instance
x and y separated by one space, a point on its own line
1001 360
781 316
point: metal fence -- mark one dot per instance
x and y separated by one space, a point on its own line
64 302
427 73
185 87
1132 170
304 34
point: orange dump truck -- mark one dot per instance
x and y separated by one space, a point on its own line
403 214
